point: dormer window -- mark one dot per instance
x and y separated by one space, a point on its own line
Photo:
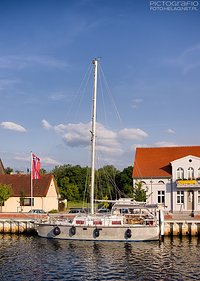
180 173
190 173
143 182
161 182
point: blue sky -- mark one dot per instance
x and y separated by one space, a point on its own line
151 61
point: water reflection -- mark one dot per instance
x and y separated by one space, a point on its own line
34 258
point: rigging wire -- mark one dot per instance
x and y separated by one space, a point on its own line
104 80
78 100
81 92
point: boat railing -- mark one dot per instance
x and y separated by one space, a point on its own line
139 219
104 220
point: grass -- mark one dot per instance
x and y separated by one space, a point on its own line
73 204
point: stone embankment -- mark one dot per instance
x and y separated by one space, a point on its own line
182 224
22 222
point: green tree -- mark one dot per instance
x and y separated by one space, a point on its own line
43 171
70 178
139 192
8 170
5 193
63 183
68 190
105 182
73 192
125 182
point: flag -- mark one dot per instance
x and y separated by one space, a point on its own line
35 167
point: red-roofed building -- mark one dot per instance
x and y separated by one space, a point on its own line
171 176
45 193
2 170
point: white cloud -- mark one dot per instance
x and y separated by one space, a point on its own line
170 131
165 143
112 150
44 160
75 134
49 161
108 141
7 83
57 97
46 125
188 60
45 61
133 134
12 126
21 62
23 158
192 49
136 102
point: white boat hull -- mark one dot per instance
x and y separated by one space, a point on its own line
99 233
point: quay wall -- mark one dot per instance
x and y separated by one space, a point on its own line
17 226
182 228
23 223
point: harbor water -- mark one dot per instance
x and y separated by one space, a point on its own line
28 258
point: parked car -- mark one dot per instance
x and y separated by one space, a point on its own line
76 211
37 211
103 211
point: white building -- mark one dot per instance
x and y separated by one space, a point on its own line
171 176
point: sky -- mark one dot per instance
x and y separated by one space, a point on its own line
150 60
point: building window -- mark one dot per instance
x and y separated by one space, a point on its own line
190 173
198 197
161 182
180 173
161 196
180 197
198 173
26 201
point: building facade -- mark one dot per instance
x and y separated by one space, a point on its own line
44 194
170 176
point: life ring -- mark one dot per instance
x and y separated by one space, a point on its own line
96 233
56 230
128 233
73 230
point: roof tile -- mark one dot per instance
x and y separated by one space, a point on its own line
21 184
155 161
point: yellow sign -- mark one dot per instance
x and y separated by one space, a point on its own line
189 182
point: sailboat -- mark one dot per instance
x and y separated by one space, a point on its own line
128 220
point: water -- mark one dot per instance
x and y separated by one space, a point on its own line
33 258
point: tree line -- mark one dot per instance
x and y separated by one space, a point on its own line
73 183
110 183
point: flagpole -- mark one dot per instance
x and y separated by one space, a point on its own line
31 180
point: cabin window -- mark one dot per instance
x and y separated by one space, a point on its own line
190 173
180 197
161 196
180 173
26 202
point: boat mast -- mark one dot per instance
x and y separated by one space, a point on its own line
93 138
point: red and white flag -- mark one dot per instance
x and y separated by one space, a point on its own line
35 167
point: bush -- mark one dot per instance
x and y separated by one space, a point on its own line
54 211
